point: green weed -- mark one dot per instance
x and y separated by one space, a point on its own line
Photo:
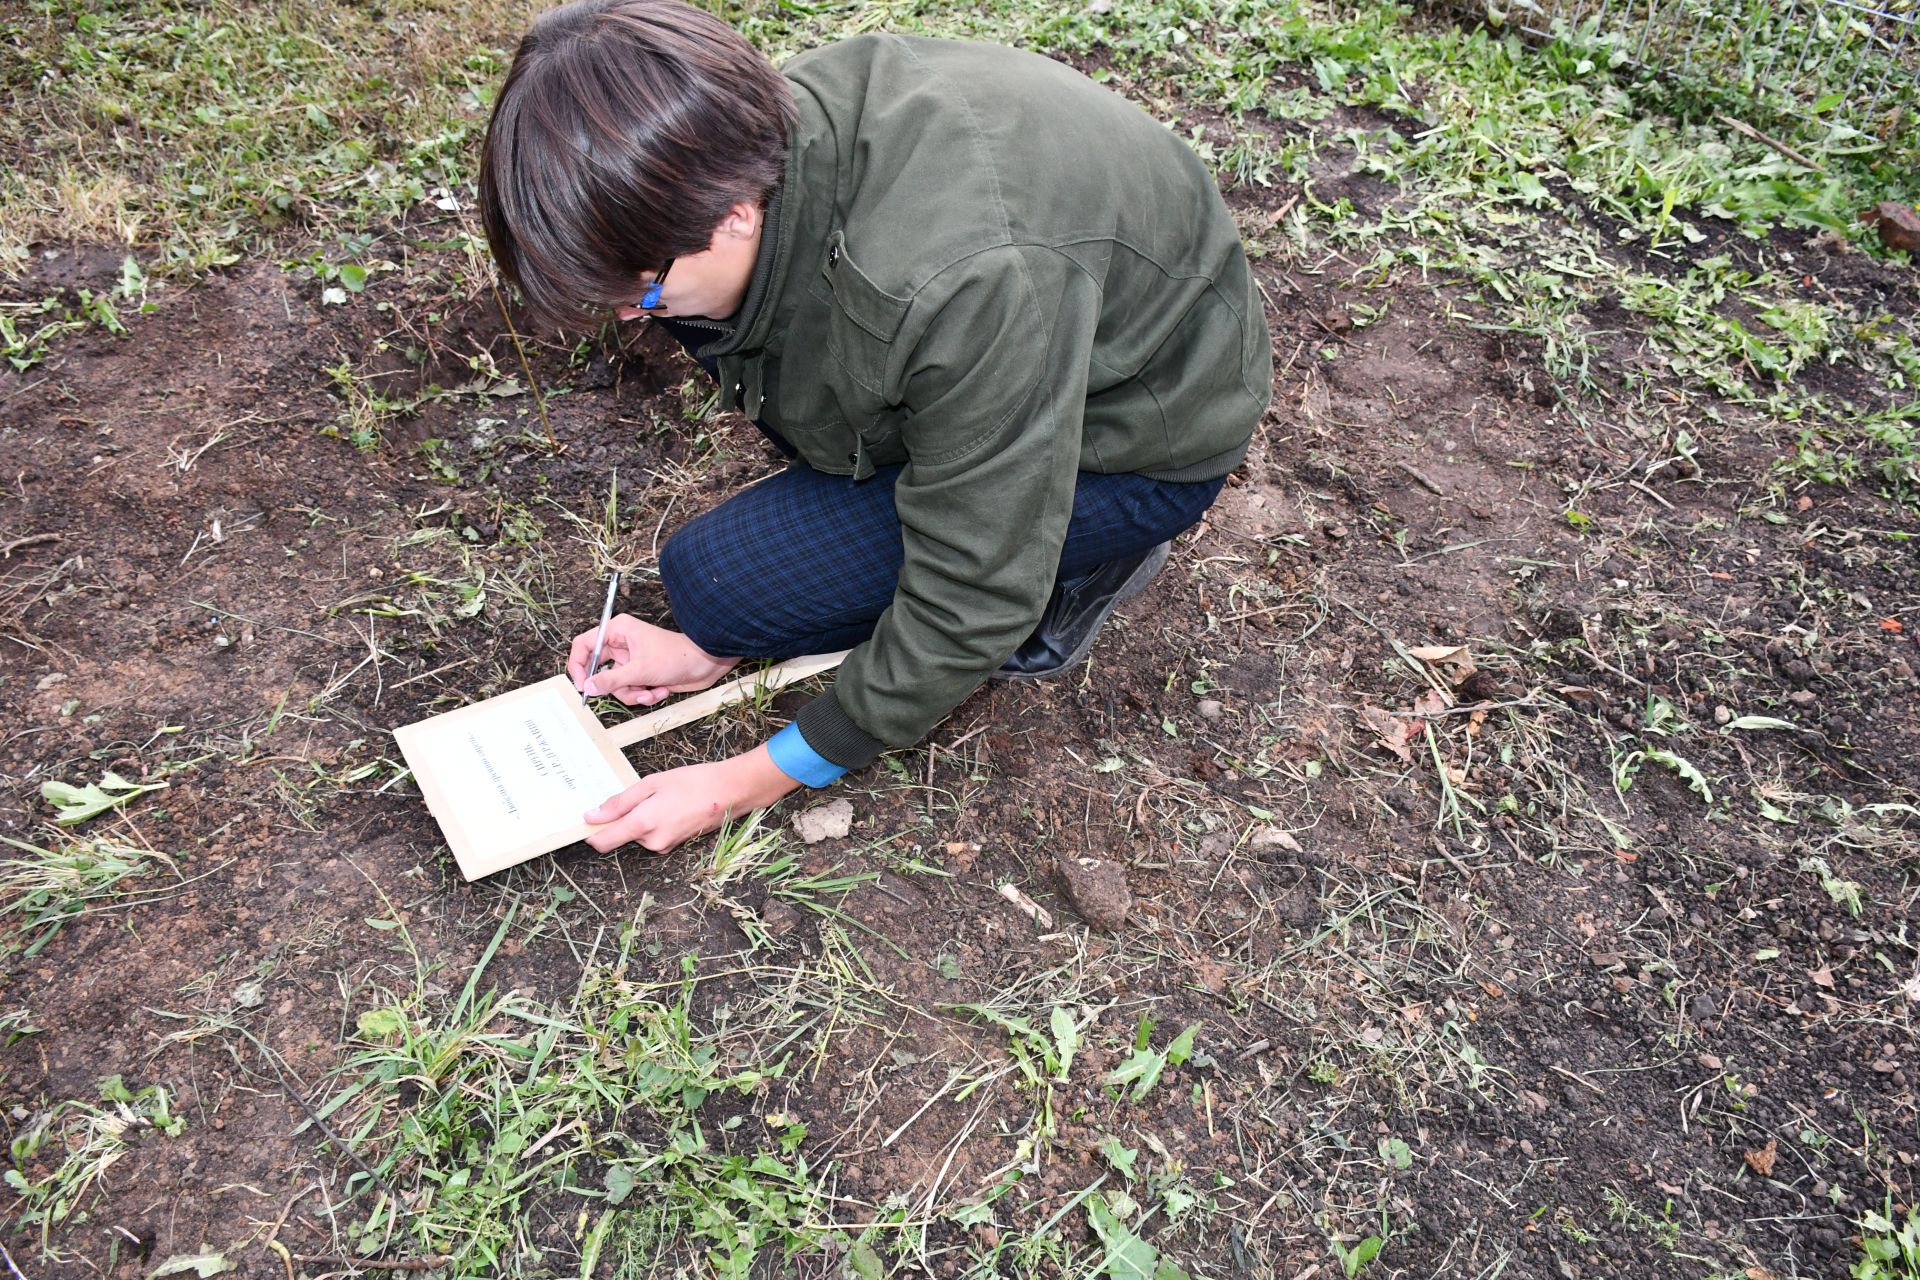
1142 1071
1892 1247
74 805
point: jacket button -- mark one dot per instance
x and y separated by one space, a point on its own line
853 457
833 256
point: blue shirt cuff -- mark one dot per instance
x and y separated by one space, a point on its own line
793 757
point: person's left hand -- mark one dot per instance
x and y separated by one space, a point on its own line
663 809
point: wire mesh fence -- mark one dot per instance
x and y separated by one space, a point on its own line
1850 63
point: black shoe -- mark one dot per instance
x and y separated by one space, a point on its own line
1077 610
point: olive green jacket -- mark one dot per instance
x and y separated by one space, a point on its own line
988 268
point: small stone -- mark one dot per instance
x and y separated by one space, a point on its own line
1211 709
1097 889
1702 1008
49 680
1336 531
824 822
779 918
1722 714
1803 697
1885 1066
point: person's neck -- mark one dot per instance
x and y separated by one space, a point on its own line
760 282
749 257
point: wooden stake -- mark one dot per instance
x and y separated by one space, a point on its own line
701 705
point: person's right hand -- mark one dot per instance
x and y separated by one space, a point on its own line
649 663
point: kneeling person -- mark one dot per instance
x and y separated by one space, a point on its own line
999 318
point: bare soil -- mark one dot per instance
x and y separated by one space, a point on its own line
1619 1032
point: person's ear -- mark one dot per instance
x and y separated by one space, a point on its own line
742 222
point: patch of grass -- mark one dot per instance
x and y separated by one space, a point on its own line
194 133
193 130
491 1112
209 131
53 884
29 330
61 1155
440 580
367 408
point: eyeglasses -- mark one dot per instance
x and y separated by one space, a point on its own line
650 300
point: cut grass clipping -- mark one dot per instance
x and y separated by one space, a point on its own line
50 885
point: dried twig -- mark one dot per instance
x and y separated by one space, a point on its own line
273 1236
1425 483
31 540
438 671
539 401
1741 126
1577 1078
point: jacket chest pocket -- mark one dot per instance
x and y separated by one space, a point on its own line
835 362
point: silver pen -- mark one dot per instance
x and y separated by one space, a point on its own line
600 640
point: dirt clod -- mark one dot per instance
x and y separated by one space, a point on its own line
1097 889
829 821
1480 686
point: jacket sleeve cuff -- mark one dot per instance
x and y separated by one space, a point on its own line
793 757
828 730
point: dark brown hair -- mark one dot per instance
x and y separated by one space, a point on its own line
624 132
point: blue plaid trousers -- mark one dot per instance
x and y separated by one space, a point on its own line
806 562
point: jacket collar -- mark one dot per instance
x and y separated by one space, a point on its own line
792 218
